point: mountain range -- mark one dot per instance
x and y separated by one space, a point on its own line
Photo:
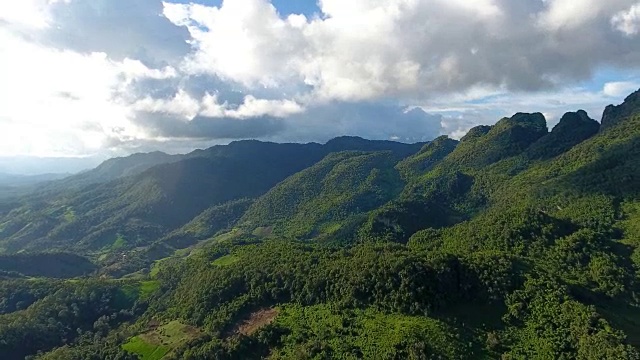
515 242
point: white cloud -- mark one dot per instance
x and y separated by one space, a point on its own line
134 69
628 21
186 107
212 108
620 88
486 106
182 105
26 13
570 14
77 77
252 107
359 51
574 14
244 41
55 102
404 49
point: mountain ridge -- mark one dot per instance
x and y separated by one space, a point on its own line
514 243
160 198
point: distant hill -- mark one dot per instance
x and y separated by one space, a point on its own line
110 170
130 211
33 165
122 167
12 180
13 186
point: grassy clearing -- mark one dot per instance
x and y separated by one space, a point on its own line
148 287
198 247
228 235
132 291
225 260
330 228
263 231
154 345
138 275
155 268
119 243
69 215
103 257
145 350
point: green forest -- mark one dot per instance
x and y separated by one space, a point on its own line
515 242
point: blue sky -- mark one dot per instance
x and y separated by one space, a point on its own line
285 7
100 78
296 7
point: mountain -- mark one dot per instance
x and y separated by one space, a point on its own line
429 156
515 242
445 179
134 211
319 200
520 243
116 168
615 114
484 146
573 128
109 170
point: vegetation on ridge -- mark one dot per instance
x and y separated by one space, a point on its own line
515 243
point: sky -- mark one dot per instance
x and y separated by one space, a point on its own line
103 78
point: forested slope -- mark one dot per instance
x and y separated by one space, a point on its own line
514 243
135 211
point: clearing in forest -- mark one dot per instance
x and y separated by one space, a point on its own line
256 321
155 344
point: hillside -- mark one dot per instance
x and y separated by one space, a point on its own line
516 242
135 211
12 185
318 201
116 168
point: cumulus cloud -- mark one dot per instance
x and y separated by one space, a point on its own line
620 88
121 28
407 49
181 105
252 107
628 21
134 69
571 14
244 41
56 102
185 106
28 13
86 76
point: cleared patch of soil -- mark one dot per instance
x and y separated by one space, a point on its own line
256 321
